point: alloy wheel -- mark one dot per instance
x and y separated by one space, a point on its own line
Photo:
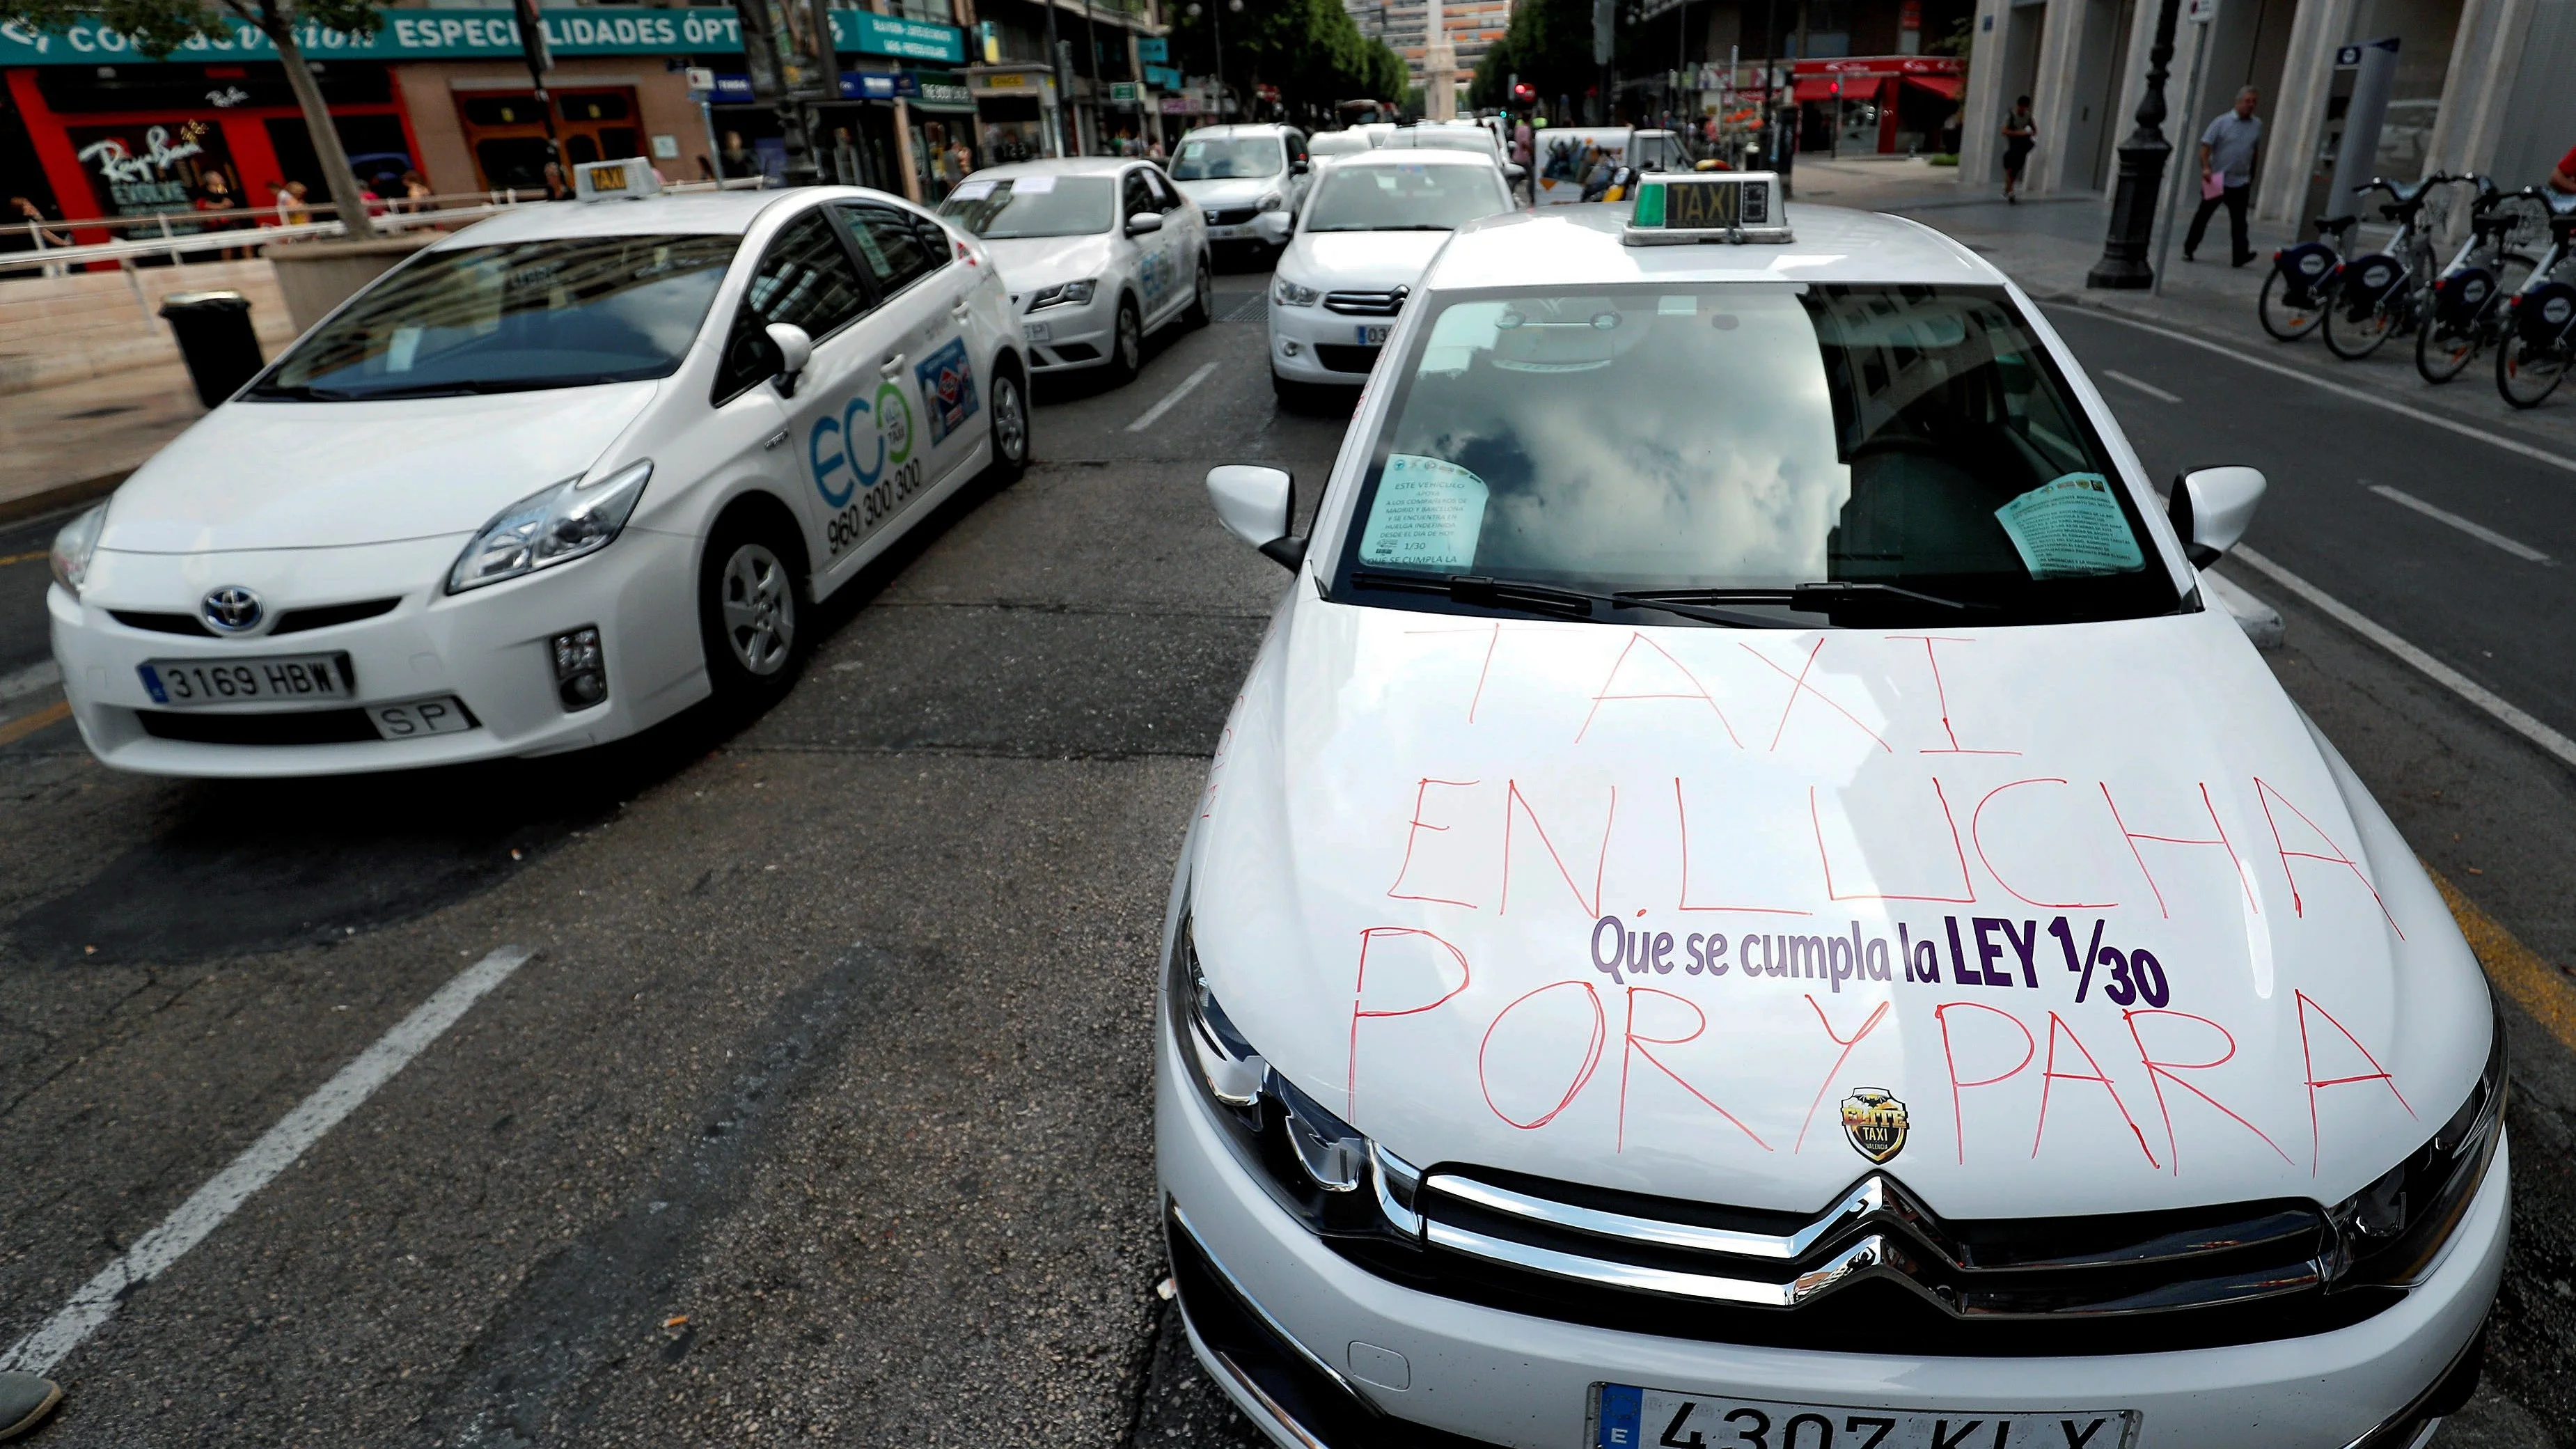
759 609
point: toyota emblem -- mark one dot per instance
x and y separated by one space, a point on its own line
231 609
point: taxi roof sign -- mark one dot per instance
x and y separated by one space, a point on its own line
629 180
1707 206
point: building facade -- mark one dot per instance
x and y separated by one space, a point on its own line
2481 85
1405 25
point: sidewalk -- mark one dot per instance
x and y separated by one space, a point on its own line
2048 244
60 445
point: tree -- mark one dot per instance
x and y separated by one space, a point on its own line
158 27
1309 49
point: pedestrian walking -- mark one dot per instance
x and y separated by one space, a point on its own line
25 1399
2021 133
2227 152
291 210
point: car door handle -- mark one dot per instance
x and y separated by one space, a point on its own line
774 440
892 365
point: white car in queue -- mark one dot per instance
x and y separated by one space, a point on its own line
1248 181
551 480
1751 900
1371 226
1097 252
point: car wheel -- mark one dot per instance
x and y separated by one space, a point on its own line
1010 424
748 611
1203 296
1127 347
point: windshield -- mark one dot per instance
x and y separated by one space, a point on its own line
1209 159
1753 437
562 313
1405 197
1023 206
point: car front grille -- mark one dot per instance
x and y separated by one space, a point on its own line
297 727
1342 357
161 623
1231 215
292 621
1365 304
1875 1268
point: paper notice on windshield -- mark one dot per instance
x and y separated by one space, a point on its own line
1428 514
2069 527
972 189
1031 185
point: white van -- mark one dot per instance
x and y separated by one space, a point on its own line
1560 160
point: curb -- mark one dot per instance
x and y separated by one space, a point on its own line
61 496
2518 971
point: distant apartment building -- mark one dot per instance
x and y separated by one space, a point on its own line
1473 25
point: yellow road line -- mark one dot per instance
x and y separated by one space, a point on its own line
2516 969
7 559
18 729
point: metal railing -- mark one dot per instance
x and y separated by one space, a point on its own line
174 234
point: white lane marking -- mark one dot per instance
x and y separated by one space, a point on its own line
1155 413
273 1153
2440 673
2478 531
34 679
2149 388
2466 430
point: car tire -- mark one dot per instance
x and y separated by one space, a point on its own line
1203 296
1010 409
751 608
1126 344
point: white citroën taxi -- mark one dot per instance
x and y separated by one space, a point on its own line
552 480
1750 901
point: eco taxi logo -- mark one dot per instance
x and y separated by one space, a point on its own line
1875 1123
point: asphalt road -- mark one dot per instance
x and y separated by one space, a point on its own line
821 1111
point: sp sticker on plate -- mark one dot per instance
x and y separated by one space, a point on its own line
947 389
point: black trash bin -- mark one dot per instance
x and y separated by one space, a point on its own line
215 336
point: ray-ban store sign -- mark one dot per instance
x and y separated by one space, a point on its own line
491 34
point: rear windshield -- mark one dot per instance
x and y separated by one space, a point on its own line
1748 437
568 312
1024 206
1405 196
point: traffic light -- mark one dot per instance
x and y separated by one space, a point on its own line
1524 94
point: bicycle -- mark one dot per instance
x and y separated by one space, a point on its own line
2302 282
2540 320
2379 296
2468 307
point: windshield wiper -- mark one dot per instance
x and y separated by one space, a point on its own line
1810 598
1535 598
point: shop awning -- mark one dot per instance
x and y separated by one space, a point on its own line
1818 88
1947 87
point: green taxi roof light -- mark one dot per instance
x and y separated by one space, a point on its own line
1650 204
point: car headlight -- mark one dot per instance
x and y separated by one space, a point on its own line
551 526
1319 1167
1065 294
2391 1231
74 546
1288 294
1272 202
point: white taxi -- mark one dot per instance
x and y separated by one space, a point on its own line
555 478
1097 252
1749 901
1374 222
1247 180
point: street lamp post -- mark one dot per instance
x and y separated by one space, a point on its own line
2142 171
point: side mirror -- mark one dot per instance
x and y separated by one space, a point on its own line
1258 505
1143 222
1298 167
1515 173
2212 507
795 349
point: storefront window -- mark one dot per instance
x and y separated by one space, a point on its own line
144 169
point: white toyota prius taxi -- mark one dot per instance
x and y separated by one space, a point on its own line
550 481
1750 901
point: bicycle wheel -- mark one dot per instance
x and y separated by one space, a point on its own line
2282 320
2443 353
2525 375
2354 340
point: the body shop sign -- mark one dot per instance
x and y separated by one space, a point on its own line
489 35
